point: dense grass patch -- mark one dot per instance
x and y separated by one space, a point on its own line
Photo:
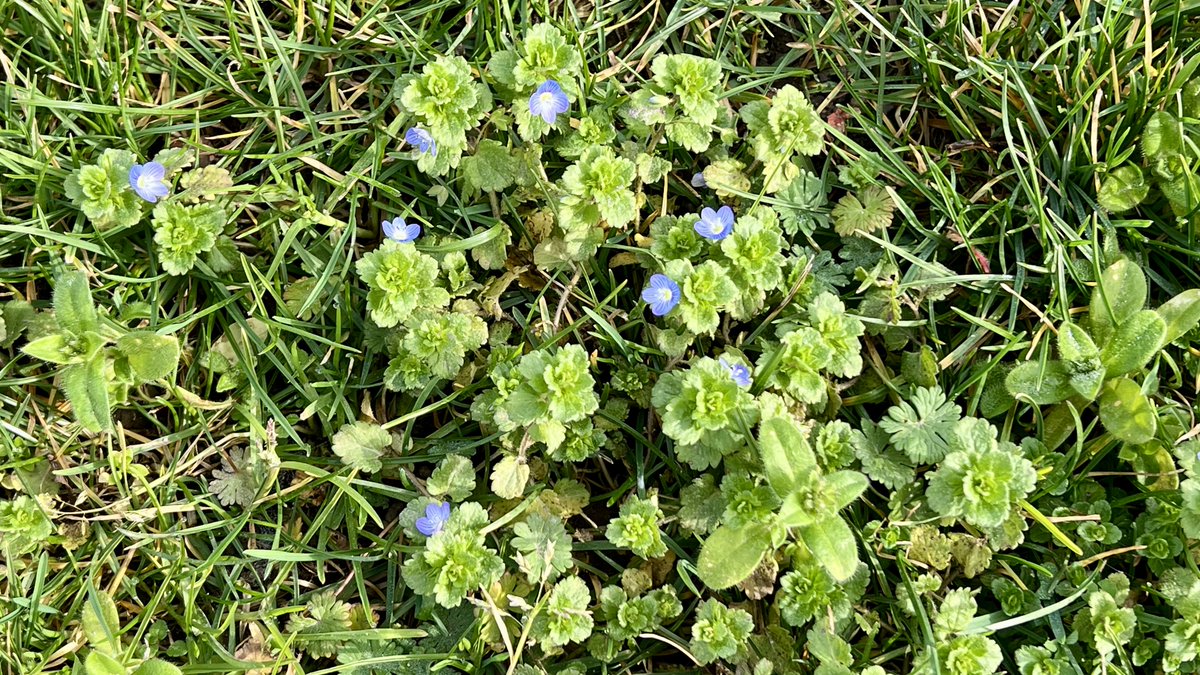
784 337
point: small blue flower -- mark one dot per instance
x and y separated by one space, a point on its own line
421 140
698 180
662 294
739 373
549 101
400 232
715 225
149 181
434 520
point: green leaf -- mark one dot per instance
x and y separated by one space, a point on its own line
509 477
729 556
100 621
454 477
786 454
921 427
832 544
1126 412
157 667
491 168
86 387
1135 341
1181 314
73 306
55 348
1162 135
1120 293
1075 346
1123 189
1042 385
846 486
151 356
1087 383
360 445
99 663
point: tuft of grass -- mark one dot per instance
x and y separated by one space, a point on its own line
993 121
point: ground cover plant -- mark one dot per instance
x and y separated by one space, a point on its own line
847 338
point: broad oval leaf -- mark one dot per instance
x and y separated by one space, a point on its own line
833 545
73 308
99 663
1087 383
729 556
1126 412
150 356
1181 314
1075 346
1162 135
509 477
786 454
1043 385
1135 341
100 621
157 667
1123 189
86 387
846 486
1120 293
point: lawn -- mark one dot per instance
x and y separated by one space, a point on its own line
515 337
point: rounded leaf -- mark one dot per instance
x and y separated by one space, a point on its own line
73 306
1126 412
1123 189
509 477
99 663
832 544
157 667
1041 384
1075 346
1135 341
729 556
1181 314
786 453
1120 293
100 621
150 356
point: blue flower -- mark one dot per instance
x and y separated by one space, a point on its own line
421 140
662 294
715 225
149 181
400 232
698 180
434 520
739 373
549 101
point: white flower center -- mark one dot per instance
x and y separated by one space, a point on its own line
547 98
664 295
145 182
715 226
